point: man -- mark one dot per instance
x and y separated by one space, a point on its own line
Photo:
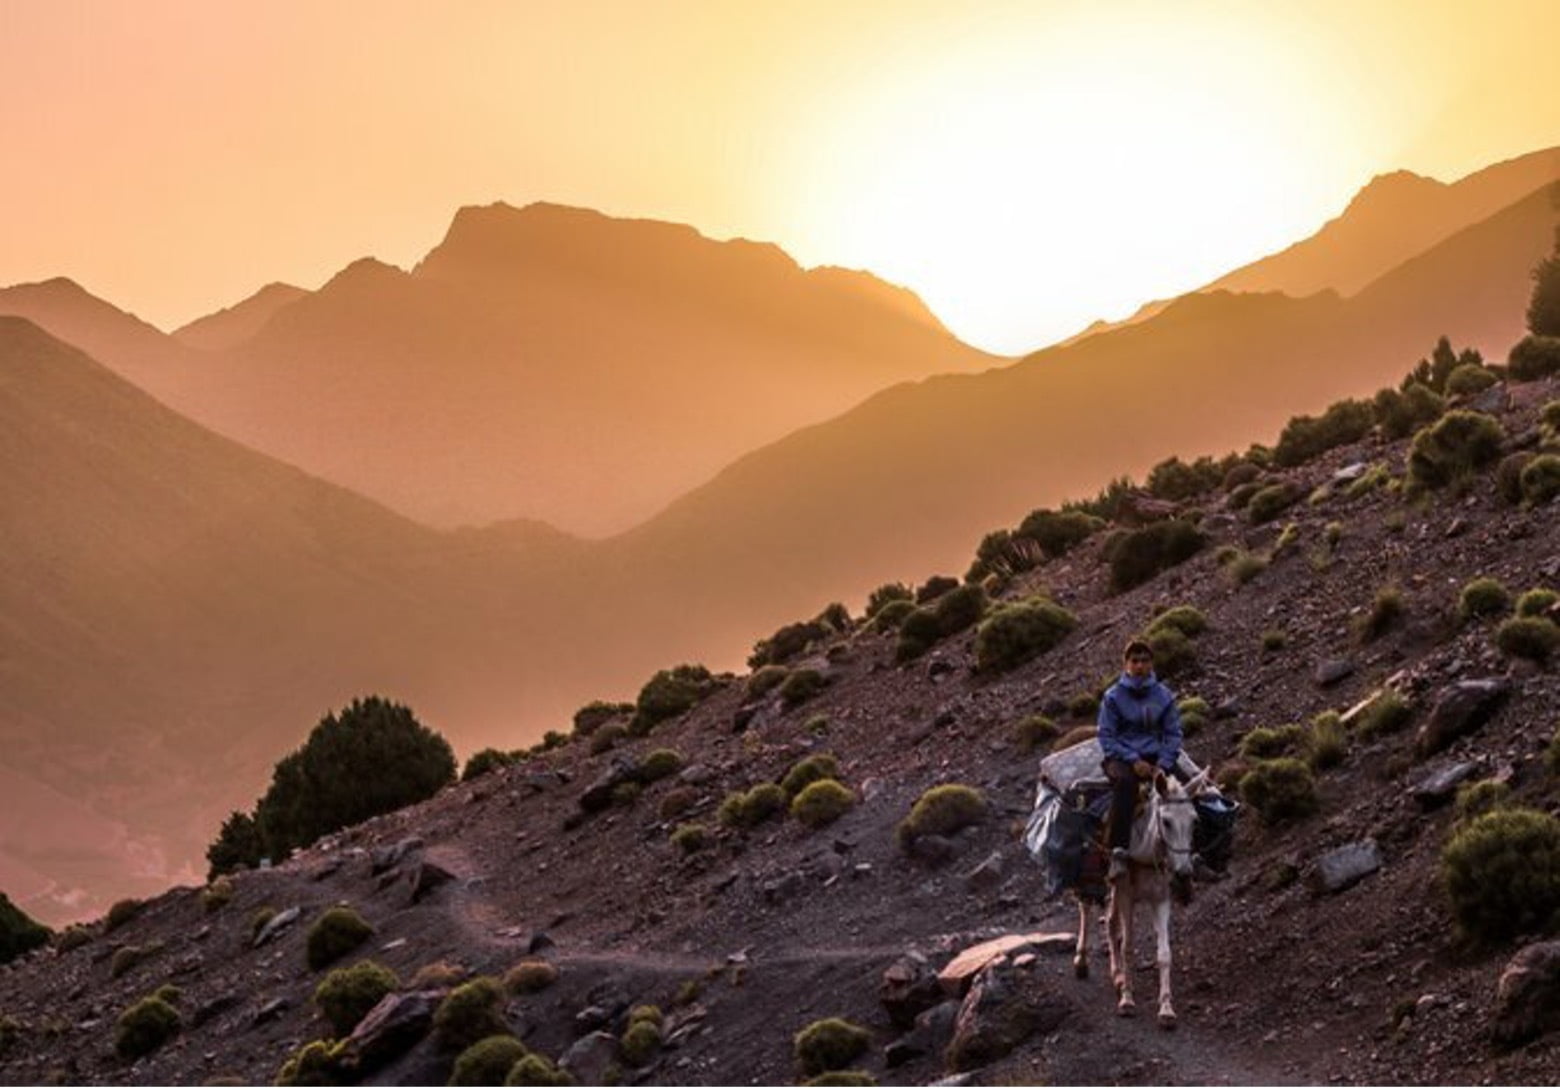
1140 731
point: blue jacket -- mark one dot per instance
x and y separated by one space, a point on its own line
1139 721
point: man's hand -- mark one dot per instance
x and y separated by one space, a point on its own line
1142 769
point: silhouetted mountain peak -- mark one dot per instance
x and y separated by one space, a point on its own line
237 323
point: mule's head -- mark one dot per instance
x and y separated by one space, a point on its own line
1174 813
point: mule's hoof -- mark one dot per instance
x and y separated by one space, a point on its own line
1081 970
1167 1019
1126 1009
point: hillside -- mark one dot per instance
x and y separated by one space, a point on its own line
236 324
746 940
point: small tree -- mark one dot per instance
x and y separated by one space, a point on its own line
237 845
1543 313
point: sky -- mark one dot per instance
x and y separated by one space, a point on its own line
1025 167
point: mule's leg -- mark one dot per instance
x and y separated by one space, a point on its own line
1162 933
1081 956
1122 907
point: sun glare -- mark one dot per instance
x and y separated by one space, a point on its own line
1020 173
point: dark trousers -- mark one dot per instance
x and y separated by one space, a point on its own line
1123 801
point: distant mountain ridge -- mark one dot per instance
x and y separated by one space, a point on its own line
239 322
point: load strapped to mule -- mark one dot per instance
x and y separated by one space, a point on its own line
1066 830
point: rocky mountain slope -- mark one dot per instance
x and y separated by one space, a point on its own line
1287 970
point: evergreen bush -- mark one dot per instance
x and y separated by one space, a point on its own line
488 1062
1470 379
659 764
1272 501
1453 448
668 694
1534 358
346 995
801 686
1400 414
484 761
1263 743
1483 597
1017 633
829 1044
1480 798
1034 731
942 811
19 932
765 680
537 1070
145 1027
690 837
337 932
1138 556
821 803
1541 479
810 769
1501 872
1387 713
1531 638
1280 790
530 976
1535 602
886 593
1058 532
1304 437
469 1013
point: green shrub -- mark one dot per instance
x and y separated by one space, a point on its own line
1483 597
1082 706
1138 556
1034 731
1003 555
821 803
484 761
1327 744
1188 620
1501 872
346 995
1541 479
1175 480
1400 414
1280 790
238 845
19 932
1057 532
487 1062
128 957
1242 567
690 837
1470 379
787 643
1272 501
1372 479
1453 448
765 680
627 793
801 686
810 769
262 916
829 1045
438 975
1265 742
1304 437
888 592
1386 610
1480 798
1534 358
893 615
816 725
73 937
597 714
1173 652
941 811
1014 634
639 1043
337 932
646 1012
607 737
952 612
530 976
1387 713
1549 416
1195 713
1240 473
1240 497
677 802
318 1063
1532 638
537 1070
1535 602
934 588
469 1013
659 764
218 894
121 913
145 1027
668 694
842 1078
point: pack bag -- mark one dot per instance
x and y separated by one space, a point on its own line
1063 835
1213 837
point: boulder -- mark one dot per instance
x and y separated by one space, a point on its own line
424 879
390 856
909 986
1440 786
1460 709
1342 867
997 1016
1332 671
277 924
589 1058
394 1025
986 876
931 1032
957 975
1527 999
598 796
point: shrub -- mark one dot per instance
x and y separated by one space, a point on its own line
1195 713
1014 634
765 680
487 1062
1386 610
627 793
821 803
121 913
690 837
1534 358
1401 414
1240 497
346 995
1541 479
530 976
1535 602
1173 652
238 845
1274 639
639 1043
469 1013
1174 479
888 592
537 1070
1003 555
1384 715
1502 874
438 974
1280 790
1372 479
607 737
1188 620
1082 705
128 957
677 802
597 714
953 612
659 764
787 643
1532 638
941 811
1265 742
801 686
934 588
145 1027
1272 501
816 725
1034 731
373 758
1138 556
829 1045
1480 798
1508 476
262 916
1452 448
73 937
318 1063
1304 437
218 894
1327 745
1483 597
1549 416
1242 567
810 769
19 932
1470 379
338 931
668 694
893 615
484 761
842 1078
1057 532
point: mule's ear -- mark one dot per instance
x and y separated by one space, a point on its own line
1199 784
1161 782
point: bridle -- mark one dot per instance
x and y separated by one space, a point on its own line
1158 804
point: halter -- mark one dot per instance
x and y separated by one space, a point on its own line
1159 803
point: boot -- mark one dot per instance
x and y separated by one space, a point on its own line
1118 864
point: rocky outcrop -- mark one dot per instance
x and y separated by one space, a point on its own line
1527 999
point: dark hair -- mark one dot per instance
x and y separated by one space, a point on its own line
1137 647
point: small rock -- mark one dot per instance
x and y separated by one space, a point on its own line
589 1058
1342 867
929 848
908 987
997 1016
424 879
598 796
1351 472
1332 671
696 775
392 1027
277 924
539 941
1460 709
383 859
1439 787
932 1030
1527 999
272 1010
987 875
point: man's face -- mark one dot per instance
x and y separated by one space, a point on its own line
1139 666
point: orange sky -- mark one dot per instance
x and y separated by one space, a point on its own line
1026 167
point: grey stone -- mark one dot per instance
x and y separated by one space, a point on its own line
212 1007
589 1058
1332 671
424 879
598 796
997 1016
599 1015
390 856
537 942
1527 999
277 924
986 876
1439 787
1460 709
326 869
1493 400
395 1024
933 849
1342 867
272 1010
696 775
1351 472
908 987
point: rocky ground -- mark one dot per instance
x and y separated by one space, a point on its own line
1287 971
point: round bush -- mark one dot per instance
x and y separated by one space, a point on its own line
1469 379
1267 742
19 932
1187 620
487 1062
883 595
1015 634
690 837
537 1070
668 694
337 932
1137 557
1033 732
607 737
829 1045
765 680
659 764
821 803
1534 358
893 614
1502 874
1057 532
1532 638
677 802
744 810
1272 501
1480 798
121 913
145 1027
801 686
842 1078
530 976
1483 597
918 632
934 588
640 1042
1535 602
1387 713
469 1013
1280 790
1195 713
315 1064
218 894
1173 652
1541 479
1453 448
1387 608
484 761
810 769
597 714
941 811
346 995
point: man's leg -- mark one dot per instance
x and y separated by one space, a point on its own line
1123 801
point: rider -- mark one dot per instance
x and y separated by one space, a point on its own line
1139 730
